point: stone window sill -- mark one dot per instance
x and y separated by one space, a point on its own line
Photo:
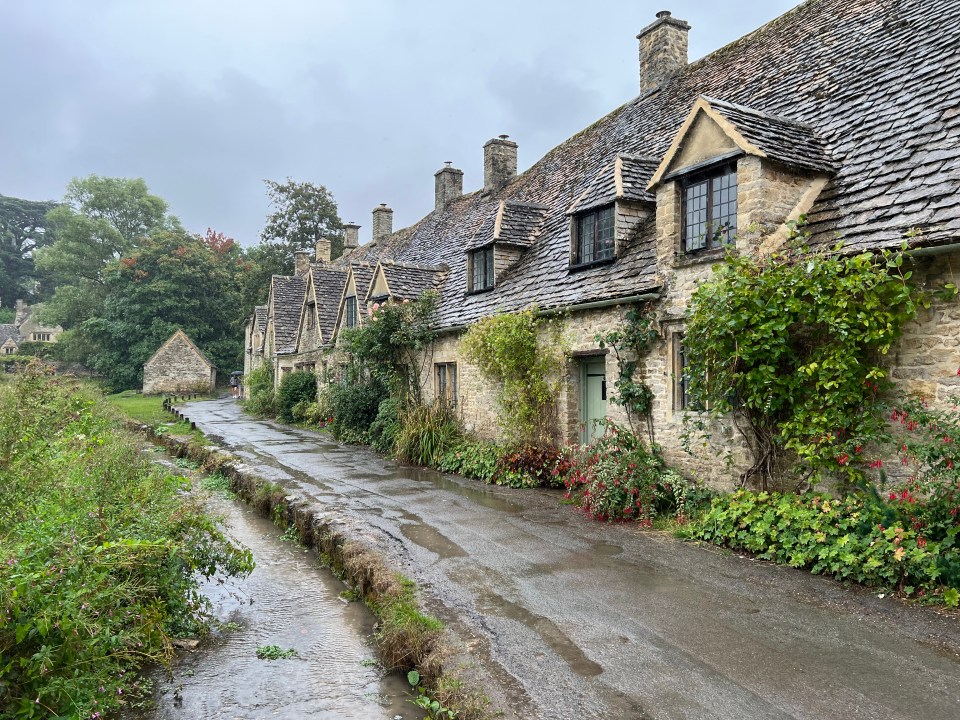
700 257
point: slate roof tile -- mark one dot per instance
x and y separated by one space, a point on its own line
9 330
408 281
288 294
328 283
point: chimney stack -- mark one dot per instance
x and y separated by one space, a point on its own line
22 313
382 222
351 237
499 163
301 260
323 250
663 50
448 185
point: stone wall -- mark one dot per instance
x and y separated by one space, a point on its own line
177 368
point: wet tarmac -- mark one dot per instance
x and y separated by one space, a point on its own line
587 620
293 603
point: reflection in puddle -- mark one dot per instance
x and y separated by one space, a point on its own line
432 539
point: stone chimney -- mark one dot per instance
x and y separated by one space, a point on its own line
351 237
301 260
22 313
323 250
382 222
448 185
499 163
663 50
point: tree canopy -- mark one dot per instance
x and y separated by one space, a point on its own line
99 220
22 230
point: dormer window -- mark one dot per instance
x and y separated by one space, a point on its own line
350 312
709 209
595 241
481 269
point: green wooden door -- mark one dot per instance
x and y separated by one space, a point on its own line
593 399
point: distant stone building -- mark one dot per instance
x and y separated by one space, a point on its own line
25 329
178 367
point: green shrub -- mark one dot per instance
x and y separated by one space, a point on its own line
386 427
848 539
295 387
354 406
260 396
101 554
426 433
616 478
472 458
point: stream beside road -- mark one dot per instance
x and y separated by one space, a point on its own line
292 602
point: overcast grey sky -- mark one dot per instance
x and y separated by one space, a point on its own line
204 99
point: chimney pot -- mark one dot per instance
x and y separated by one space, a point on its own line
382 222
663 50
499 163
448 185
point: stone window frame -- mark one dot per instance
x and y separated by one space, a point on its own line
443 373
41 337
607 247
706 177
311 315
681 388
480 277
351 312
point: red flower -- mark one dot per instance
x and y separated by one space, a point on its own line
843 459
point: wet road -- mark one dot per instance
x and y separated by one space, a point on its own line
603 621
292 602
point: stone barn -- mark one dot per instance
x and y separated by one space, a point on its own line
178 367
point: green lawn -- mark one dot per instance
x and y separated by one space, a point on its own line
148 409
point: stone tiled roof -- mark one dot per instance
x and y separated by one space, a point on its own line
793 143
9 330
873 85
190 343
408 282
260 318
362 275
513 223
328 285
288 293
626 177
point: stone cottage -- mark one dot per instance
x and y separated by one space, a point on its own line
25 328
178 366
845 112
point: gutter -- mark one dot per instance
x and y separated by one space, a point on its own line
934 250
595 305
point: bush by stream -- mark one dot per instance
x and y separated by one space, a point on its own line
99 554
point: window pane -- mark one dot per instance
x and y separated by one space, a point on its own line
586 229
605 234
695 216
488 265
725 207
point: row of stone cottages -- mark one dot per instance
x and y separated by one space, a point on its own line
844 111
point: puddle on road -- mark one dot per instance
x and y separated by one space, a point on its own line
292 602
433 540
490 603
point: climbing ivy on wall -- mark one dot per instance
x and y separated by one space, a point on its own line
630 341
790 347
508 350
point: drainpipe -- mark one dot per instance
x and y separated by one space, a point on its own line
934 250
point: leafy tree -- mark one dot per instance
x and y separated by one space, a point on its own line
172 280
22 231
790 346
100 220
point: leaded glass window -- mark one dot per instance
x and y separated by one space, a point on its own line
595 236
710 210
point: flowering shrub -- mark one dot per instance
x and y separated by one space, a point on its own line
529 466
617 479
864 539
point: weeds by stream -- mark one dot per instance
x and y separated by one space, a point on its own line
100 554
